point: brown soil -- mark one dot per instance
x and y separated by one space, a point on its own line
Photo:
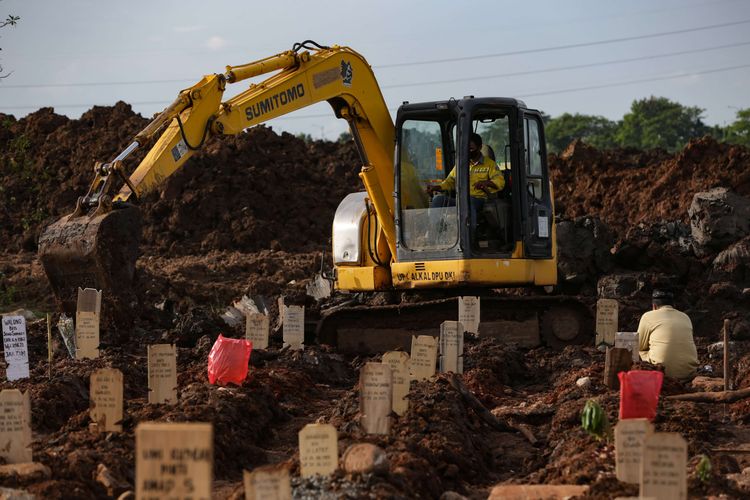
250 216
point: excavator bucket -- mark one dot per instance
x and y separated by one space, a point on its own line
97 250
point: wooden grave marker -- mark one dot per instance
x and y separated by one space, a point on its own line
257 330
629 341
398 361
468 313
375 397
423 357
451 347
629 436
293 326
616 360
270 482
87 323
16 347
162 373
663 466
318 450
15 426
173 460
606 321
106 400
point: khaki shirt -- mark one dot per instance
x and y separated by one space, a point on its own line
665 336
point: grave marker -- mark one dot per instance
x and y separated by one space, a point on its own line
616 360
293 325
375 397
162 373
468 313
629 436
270 482
256 330
451 347
106 400
15 426
629 341
173 460
423 357
16 348
87 323
606 321
398 361
663 466
318 450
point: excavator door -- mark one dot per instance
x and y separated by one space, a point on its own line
536 204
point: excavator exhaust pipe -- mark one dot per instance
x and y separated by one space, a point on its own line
95 250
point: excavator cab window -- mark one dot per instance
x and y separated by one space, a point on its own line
491 220
425 158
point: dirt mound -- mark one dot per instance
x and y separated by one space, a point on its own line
236 194
626 186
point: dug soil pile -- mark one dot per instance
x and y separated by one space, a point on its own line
250 214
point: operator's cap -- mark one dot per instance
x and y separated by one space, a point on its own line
662 294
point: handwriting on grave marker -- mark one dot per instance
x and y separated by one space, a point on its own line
87 323
468 313
663 466
629 341
451 347
293 326
106 399
15 426
16 348
173 460
318 450
398 361
375 398
270 482
606 321
256 330
423 357
629 436
162 373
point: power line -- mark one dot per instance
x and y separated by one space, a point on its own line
548 92
563 47
455 59
564 68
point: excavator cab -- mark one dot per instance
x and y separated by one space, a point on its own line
463 222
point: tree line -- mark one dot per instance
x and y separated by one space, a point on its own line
653 122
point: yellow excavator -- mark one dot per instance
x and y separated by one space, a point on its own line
388 237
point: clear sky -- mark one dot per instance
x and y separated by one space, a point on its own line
73 54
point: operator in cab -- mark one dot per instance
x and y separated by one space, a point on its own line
665 336
485 178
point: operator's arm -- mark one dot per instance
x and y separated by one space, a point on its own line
449 184
644 336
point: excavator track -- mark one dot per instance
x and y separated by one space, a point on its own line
555 321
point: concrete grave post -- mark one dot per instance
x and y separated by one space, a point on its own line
88 314
257 330
174 460
629 341
375 397
106 400
16 347
162 373
606 321
423 357
398 361
318 450
629 437
15 426
663 466
468 313
293 326
451 347
270 482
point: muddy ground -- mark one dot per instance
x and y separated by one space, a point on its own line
250 216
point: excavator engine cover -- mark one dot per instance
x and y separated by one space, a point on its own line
98 250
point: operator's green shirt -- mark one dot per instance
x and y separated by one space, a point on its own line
665 336
482 170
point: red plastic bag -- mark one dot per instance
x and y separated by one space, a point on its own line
639 393
228 360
